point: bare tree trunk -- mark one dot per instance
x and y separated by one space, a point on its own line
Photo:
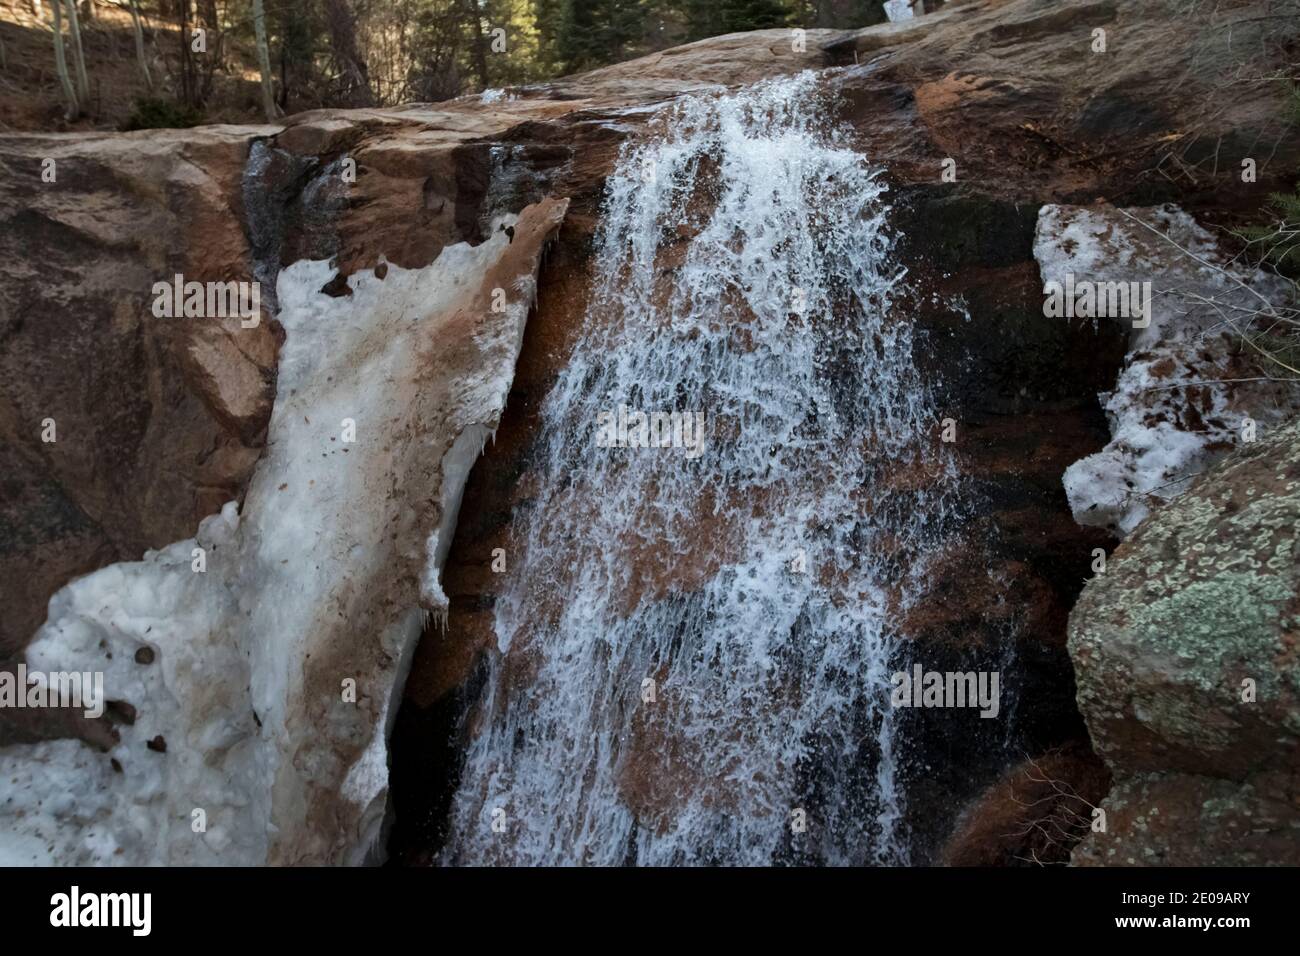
264 60
215 56
61 63
78 54
343 40
187 55
139 45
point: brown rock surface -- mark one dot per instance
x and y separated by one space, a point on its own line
271 685
1011 91
157 421
1034 814
1194 820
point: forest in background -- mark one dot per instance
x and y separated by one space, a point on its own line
135 64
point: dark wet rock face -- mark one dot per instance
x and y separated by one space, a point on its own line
272 190
1021 391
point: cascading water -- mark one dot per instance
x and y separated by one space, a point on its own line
694 651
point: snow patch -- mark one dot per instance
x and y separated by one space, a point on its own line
1173 410
384 399
897 10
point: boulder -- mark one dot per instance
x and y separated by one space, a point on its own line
1034 815
1190 389
1188 675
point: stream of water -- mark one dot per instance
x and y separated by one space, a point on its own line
694 650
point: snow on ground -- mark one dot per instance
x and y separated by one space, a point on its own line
898 10
245 746
1173 411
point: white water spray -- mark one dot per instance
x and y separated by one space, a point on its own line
694 654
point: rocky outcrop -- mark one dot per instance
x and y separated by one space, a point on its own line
92 220
1074 101
1014 95
119 431
1034 815
1188 676
1192 387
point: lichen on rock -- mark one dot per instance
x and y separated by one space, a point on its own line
1186 659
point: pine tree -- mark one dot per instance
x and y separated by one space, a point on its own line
139 45
61 63
549 15
706 18
78 55
595 32
1278 244
269 107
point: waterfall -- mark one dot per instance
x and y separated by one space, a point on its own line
694 646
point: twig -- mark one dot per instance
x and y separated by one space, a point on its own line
1221 381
